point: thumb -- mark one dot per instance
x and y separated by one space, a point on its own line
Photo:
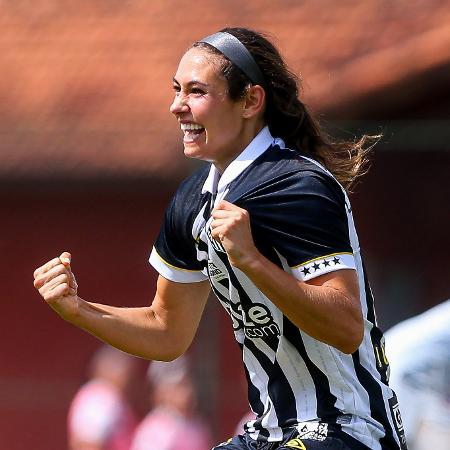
65 258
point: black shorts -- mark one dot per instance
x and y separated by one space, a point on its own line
334 440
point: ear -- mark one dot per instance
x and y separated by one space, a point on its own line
254 102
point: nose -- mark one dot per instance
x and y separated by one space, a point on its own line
179 105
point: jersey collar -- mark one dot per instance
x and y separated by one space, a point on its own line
262 141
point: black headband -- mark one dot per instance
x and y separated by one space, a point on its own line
237 53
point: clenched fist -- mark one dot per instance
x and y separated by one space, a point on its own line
231 227
57 285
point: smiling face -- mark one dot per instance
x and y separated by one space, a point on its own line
215 128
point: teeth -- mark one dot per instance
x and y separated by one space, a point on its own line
190 126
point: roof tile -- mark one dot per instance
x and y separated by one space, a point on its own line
85 85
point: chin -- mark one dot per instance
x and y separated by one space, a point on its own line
193 151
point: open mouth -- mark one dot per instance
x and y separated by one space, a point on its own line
191 131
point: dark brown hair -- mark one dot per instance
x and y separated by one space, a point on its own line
286 116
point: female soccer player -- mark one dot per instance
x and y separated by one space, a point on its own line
268 226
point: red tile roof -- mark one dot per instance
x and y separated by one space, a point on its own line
85 85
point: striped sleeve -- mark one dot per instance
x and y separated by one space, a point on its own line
174 254
174 273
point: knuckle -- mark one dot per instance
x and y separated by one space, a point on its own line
63 279
58 270
47 296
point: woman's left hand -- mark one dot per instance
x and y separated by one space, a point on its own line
231 227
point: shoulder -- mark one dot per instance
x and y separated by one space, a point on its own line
282 172
306 172
188 198
193 184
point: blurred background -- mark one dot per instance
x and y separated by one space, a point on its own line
89 157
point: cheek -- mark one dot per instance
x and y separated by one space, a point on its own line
230 126
228 120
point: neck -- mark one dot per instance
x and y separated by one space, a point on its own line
248 135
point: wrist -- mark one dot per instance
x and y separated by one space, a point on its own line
249 263
70 309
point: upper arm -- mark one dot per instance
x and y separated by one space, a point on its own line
343 281
342 286
178 307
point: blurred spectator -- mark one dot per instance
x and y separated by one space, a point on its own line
172 424
101 416
418 350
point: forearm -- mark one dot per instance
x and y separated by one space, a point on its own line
325 312
139 330
163 331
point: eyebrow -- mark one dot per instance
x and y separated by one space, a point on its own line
191 83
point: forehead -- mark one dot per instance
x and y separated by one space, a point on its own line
199 64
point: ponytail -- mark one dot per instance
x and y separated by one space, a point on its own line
286 116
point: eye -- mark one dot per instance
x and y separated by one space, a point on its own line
197 91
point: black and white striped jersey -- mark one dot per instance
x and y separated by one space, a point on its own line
301 220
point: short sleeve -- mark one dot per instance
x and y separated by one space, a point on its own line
174 254
302 217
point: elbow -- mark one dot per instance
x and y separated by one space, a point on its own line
350 347
167 351
353 338
164 354
353 333
169 348
171 355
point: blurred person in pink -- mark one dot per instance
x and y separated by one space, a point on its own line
101 416
172 423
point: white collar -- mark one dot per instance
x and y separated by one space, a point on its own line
261 142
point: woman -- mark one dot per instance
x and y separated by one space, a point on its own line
267 226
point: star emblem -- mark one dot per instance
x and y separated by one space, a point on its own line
316 266
336 260
305 271
326 262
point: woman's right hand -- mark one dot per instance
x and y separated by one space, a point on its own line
57 285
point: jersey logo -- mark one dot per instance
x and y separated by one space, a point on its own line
295 443
397 419
215 272
257 321
317 431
